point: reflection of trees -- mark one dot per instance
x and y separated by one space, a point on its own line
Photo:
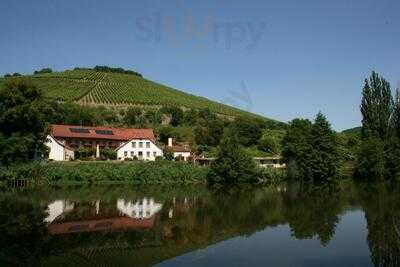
314 212
224 213
22 231
382 212
190 221
196 221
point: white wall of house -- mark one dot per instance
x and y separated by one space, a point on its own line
57 151
143 149
184 155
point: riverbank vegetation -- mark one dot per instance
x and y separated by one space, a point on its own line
159 172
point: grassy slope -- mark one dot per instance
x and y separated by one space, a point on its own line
90 87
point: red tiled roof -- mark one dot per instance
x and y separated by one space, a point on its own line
178 148
121 134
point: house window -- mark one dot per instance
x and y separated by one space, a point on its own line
133 144
155 154
125 153
147 144
140 144
132 154
148 154
140 154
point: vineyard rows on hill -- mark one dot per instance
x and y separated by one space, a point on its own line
117 89
91 87
64 89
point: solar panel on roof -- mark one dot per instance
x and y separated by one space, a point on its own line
104 132
79 130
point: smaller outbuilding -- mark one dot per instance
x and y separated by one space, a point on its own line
180 151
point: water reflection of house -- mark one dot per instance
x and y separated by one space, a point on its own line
57 208
180 206
65 217
142 209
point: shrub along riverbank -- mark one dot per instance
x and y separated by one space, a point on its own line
164 172
159 172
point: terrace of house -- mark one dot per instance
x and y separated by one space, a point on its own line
77 143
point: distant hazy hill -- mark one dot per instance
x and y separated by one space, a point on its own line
355 130
89 87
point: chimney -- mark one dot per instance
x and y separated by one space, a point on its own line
97 151
170 142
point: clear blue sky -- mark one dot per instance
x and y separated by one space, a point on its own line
282 59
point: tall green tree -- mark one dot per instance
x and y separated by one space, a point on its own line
376 107
380 150
396 114
209 129
325 157
310 149
23 122
297 148
249 130
233 164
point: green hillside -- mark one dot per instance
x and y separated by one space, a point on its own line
89 87
355 130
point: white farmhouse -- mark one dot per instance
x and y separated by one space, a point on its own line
142 149
128 143
57 150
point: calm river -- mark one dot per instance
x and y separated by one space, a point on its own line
286 225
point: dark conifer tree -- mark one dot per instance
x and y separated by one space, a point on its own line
325 156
